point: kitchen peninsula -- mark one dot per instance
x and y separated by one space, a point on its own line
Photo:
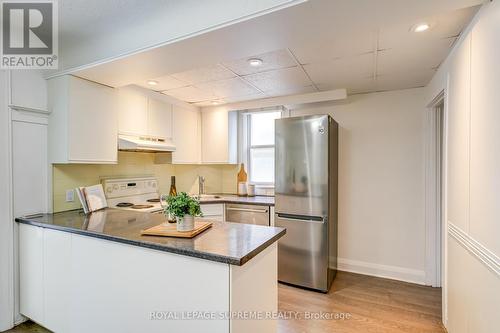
96 273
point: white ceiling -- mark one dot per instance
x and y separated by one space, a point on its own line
318 46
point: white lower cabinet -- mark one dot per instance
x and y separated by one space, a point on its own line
73 283
213 211
57 280
31 272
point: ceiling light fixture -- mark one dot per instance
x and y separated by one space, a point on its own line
255 62
215 103
152 82
421 27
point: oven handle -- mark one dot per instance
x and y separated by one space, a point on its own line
249 210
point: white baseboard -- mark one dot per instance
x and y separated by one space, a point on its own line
383 271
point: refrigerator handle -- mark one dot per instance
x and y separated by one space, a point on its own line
302 218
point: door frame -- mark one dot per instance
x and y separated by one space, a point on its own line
436 121
6 222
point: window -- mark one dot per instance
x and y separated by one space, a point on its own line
260 147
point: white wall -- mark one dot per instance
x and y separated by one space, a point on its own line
381 181
471 79
6 225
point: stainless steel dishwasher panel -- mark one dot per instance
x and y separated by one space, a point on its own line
249 214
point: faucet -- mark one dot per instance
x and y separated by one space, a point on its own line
201 185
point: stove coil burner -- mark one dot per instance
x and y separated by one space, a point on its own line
141 206
124 204
153 200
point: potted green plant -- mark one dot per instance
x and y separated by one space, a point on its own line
184 208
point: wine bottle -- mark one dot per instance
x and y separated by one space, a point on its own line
242 181
173 190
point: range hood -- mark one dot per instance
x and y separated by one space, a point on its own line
144 144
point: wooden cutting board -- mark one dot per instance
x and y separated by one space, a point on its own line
170 230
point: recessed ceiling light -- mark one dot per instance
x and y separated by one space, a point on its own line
152 82
255 62
421 27
215 103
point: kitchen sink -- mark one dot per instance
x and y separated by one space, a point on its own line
208 197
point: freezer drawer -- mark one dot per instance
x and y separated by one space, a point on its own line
303 251
250 214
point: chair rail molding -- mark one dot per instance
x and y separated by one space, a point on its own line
479 251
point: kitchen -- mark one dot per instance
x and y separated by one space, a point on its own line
259 119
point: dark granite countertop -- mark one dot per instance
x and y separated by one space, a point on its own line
226 242
232 198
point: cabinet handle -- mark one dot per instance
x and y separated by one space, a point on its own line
250 210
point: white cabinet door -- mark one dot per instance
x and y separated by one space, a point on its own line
133 112
219 137
29 167
57 279
29 89
31 272
93 123
186 136
159 119
83 123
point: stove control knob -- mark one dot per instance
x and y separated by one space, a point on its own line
109 189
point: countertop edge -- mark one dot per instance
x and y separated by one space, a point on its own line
200 255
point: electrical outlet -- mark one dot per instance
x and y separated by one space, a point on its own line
70 195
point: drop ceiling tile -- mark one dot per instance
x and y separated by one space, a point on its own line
228 88
204 74
404 80
211 103
280 80
443 26
347 70
245 98
423 56
353 85
165 83
283 91
270 61
190 94
327 46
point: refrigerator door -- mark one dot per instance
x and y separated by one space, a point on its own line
301 157
303 252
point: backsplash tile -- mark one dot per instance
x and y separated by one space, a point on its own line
218 178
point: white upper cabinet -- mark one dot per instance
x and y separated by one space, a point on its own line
29 90
159 119
186 136
219 137
133 112
83 124
143 115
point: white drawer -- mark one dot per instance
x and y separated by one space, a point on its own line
212 209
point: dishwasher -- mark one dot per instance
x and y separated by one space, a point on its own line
249 214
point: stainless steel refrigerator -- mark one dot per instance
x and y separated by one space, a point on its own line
306 164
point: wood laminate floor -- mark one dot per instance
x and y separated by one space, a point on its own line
373 305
